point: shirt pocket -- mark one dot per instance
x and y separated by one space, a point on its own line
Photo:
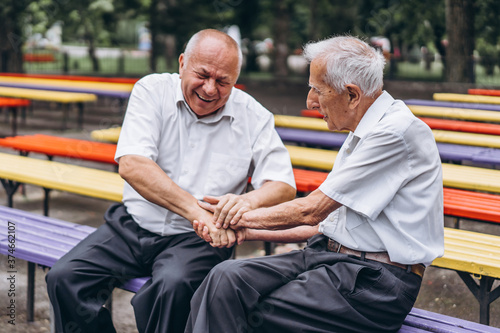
226 174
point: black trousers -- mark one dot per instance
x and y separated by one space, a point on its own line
310 290
81 281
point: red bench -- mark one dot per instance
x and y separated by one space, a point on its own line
12 104
485 92
60 146
40 57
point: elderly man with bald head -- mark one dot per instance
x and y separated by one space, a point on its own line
374 224
186 137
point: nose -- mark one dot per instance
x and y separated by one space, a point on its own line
312 100
210 87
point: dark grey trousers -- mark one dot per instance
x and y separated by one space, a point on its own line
310 290
80 282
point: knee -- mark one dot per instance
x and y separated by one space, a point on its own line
57 276
228 272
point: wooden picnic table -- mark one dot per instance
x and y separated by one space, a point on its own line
12 105
108 89
65 98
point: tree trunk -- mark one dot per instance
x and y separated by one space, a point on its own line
281 28
460 31
153 29
11 40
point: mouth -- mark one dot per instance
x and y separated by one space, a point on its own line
204 99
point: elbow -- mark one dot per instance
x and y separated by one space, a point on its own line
290 193
126 167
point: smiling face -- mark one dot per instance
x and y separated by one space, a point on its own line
336 108
208 75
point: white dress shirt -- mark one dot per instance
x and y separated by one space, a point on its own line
388 178
213 155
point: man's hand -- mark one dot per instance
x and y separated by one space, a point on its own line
217 237
227 209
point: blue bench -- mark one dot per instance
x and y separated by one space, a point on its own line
448 152
41 240
457 105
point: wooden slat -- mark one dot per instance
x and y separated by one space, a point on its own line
465 98
47 95
63 177
455 113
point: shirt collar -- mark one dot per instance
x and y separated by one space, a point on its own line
225 111
374 113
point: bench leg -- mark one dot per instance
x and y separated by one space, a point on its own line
31 292
46 201
80 115
268 248
10 189
13 111
483 294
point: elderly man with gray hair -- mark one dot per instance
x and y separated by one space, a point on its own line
372 227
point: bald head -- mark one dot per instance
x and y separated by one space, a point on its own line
213 38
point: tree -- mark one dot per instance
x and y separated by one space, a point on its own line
460 48
11 35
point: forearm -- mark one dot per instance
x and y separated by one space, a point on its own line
309 211
293 235
151 182
269 194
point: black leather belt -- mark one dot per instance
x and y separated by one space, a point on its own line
382 257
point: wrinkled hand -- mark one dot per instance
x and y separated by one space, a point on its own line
217 237
227 209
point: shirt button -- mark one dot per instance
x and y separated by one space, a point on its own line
185 171
332 219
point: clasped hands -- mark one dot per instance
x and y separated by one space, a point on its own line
222 229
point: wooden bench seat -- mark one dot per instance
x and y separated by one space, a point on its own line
485 92
107 89
455 113
452 105
16 170
466 98
65 98
42 241
60 146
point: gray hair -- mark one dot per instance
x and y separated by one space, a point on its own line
349 60
197 37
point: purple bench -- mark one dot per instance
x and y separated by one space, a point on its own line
42 240
447 151
457 105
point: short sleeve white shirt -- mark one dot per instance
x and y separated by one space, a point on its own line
388 178
213 155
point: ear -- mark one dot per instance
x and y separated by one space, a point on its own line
354 95
181 64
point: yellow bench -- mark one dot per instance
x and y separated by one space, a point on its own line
475 257
466 98
49 175
60 83
66 98
455 113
